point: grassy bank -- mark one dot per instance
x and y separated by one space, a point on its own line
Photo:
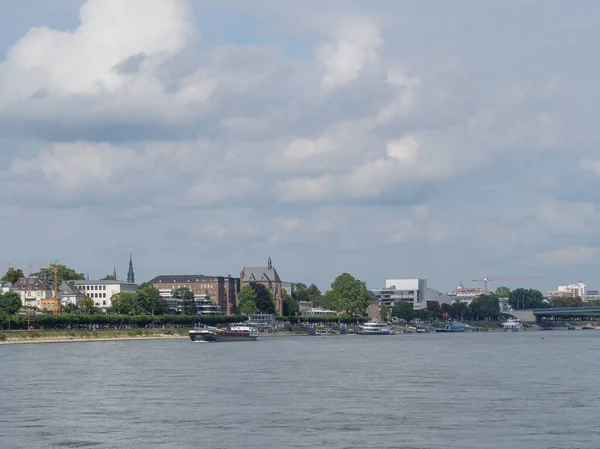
88 335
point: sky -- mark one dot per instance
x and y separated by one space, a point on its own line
389 139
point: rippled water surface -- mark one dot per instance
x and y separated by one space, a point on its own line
472 390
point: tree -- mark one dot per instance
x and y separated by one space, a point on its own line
349 295
64 274
299 286
383 313
247 301
434 311
10 302
525 299
187 301
109 277
567 301
148 299
485 307
313 293
264 299
460 311
13 275
124 303
403 310
301 295
502 292
290 305
87 305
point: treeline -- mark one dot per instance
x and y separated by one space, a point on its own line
66 321
342 319
483 308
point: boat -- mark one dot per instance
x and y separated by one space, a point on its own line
589 327
321 330
236 332
513 325
452 327
375 328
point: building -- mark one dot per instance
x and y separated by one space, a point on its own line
307 308
101 292
268 277
130 273
5 287
221 291
577 289
262 321
413 291
36 293
465 294
204 305
591 295
69 294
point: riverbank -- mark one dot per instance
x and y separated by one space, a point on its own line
68 336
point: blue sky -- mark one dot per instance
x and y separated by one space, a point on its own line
445 140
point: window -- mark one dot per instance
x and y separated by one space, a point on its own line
103 303
104 287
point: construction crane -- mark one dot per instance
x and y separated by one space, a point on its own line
51 267
517 278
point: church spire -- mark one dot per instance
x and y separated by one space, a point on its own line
270 264
130 273
114 273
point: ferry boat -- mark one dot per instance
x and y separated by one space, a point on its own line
236 332
321 330
452 327
513 325
375 328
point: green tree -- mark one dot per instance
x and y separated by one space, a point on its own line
247 301
502 292
383 313
264 299
13 275
187 301
460 311
525 299
148 299
567 301
299 286
403 310
290 305
349 295
10 302
124 303
87 305
313 293
64 274
434 311
485 307
301 295
109 277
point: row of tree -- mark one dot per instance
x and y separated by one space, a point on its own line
483 308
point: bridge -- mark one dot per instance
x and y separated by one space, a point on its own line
563 313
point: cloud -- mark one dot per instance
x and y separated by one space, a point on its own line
569 255
590 164
354 50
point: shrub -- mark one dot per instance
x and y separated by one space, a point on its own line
2 336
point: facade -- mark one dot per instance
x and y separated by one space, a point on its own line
268 277
577 289
101 292
33 291
307 308
288 287
221 291
204 305
261 320
413 291
5 287
69 294
465 294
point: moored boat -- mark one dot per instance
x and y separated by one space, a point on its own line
513 325
375 328
237 332
321 330
452 327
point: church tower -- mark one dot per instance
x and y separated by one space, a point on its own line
130 273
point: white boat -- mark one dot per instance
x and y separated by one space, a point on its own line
375 328
237 332
320 330
513 325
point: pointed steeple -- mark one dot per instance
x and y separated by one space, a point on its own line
270 266
114 273
130 273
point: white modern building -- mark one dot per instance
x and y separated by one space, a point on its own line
577 289
102 291
413 291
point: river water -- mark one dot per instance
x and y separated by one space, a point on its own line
471 390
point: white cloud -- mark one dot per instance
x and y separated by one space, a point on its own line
415 227
590 164
567 256
355 48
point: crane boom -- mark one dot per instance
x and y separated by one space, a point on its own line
503 278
